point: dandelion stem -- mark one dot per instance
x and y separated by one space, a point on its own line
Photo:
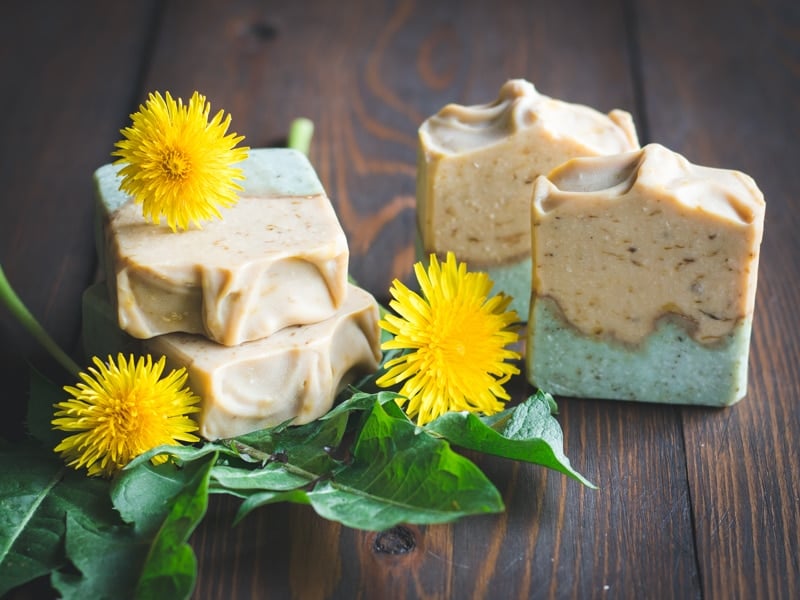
265 457
27 320
301 131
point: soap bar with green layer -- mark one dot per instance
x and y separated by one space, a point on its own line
277 258
644 279
475 174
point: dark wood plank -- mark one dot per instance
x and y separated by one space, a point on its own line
722 86
367 73
693 503
68 73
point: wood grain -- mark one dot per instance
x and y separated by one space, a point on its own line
68 79
727 95
693 503
367 76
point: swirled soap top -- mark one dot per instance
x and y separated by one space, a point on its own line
519 107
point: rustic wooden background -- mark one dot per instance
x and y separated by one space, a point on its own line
693 502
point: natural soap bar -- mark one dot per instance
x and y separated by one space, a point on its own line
645 270
295 373
277 258
476 167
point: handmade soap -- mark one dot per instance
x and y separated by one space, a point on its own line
476 168
644 279
293 374
277 258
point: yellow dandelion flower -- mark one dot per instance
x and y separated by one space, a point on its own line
455 339
121 410
177 164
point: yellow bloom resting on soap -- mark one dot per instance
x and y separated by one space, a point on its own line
120 410
177 164
455 339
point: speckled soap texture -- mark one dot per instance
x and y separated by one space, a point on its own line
644 282
475 172
278 258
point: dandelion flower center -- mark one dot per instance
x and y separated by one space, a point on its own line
454 338
177 163
120 410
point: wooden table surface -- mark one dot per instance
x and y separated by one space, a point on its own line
693 502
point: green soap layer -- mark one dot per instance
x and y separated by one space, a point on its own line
513 279
268 172
100 332
669 367
278 172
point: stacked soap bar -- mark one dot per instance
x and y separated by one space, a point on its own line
293 374
476 168
644 279
278 259
256 306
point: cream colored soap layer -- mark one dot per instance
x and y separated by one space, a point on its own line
278 258
645 271
620 242
477 165
295 373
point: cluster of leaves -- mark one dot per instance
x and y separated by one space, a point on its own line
364 464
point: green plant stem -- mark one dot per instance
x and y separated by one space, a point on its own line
24 316
265 457
253 453
301 131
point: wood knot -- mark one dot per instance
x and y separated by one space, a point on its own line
264 31
397 540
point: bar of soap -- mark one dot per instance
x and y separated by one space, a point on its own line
476 168
644 281
277 258
295 373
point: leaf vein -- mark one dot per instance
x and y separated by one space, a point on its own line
15 535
